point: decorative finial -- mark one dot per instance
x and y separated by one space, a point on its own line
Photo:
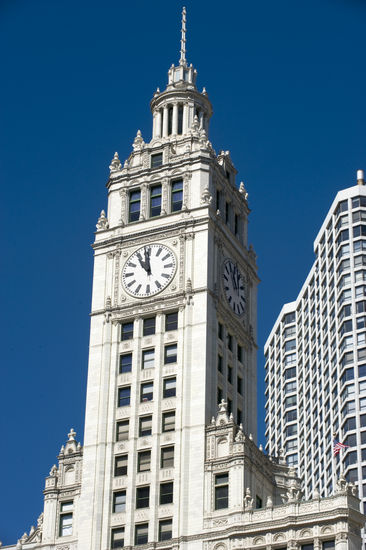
182 60
71 435
115 165
102 221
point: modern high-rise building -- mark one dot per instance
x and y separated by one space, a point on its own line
316 357
173 335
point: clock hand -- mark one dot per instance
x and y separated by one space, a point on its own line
147 252
142 263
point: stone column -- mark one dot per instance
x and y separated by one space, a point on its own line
165 121
154 124
175 119
185 118
158 124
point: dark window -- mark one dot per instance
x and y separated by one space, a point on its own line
168 421
221 491
118 538
229 406
126 331
169 387
240 353
135 205
171 321
258 502
142 497
236 224
218 199
144 461
177 195
180 131
170 354
219 363
240 385
120 465
166 493
165 529
309 546
219 395
239 416
167 457
358 201
290 373
156 160
155 201
328 544
291 415
170 120
145 426
124 396
125 363
230 342
342 207
122 430
146 391
230 374
141 533
149 326
220 330
119 501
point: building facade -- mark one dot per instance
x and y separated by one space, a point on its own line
173 335
316 357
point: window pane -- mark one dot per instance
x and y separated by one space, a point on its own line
146 391
149 326
167 457
119 501
134 209
126 331
141 533
148 357
156 160
155 201
67 506
125 363
177 195
168 421
171 321
165 529
142 497
124 396
169 388
120 465
118 538
166 493
170 354
122 430
145 426
144 460
65 525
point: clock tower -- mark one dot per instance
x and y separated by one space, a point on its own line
173 325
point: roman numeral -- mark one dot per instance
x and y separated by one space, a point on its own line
158 284
128 274
159 252
130 264
168 265
131 283
165 275
166 257
147 289
138 289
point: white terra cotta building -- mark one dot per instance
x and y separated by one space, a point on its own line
173 335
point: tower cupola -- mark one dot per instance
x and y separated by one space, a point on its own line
176 108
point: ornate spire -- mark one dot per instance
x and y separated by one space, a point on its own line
182 60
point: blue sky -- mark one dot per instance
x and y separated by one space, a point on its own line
287 84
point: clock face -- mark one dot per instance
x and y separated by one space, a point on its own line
234 287
148 270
